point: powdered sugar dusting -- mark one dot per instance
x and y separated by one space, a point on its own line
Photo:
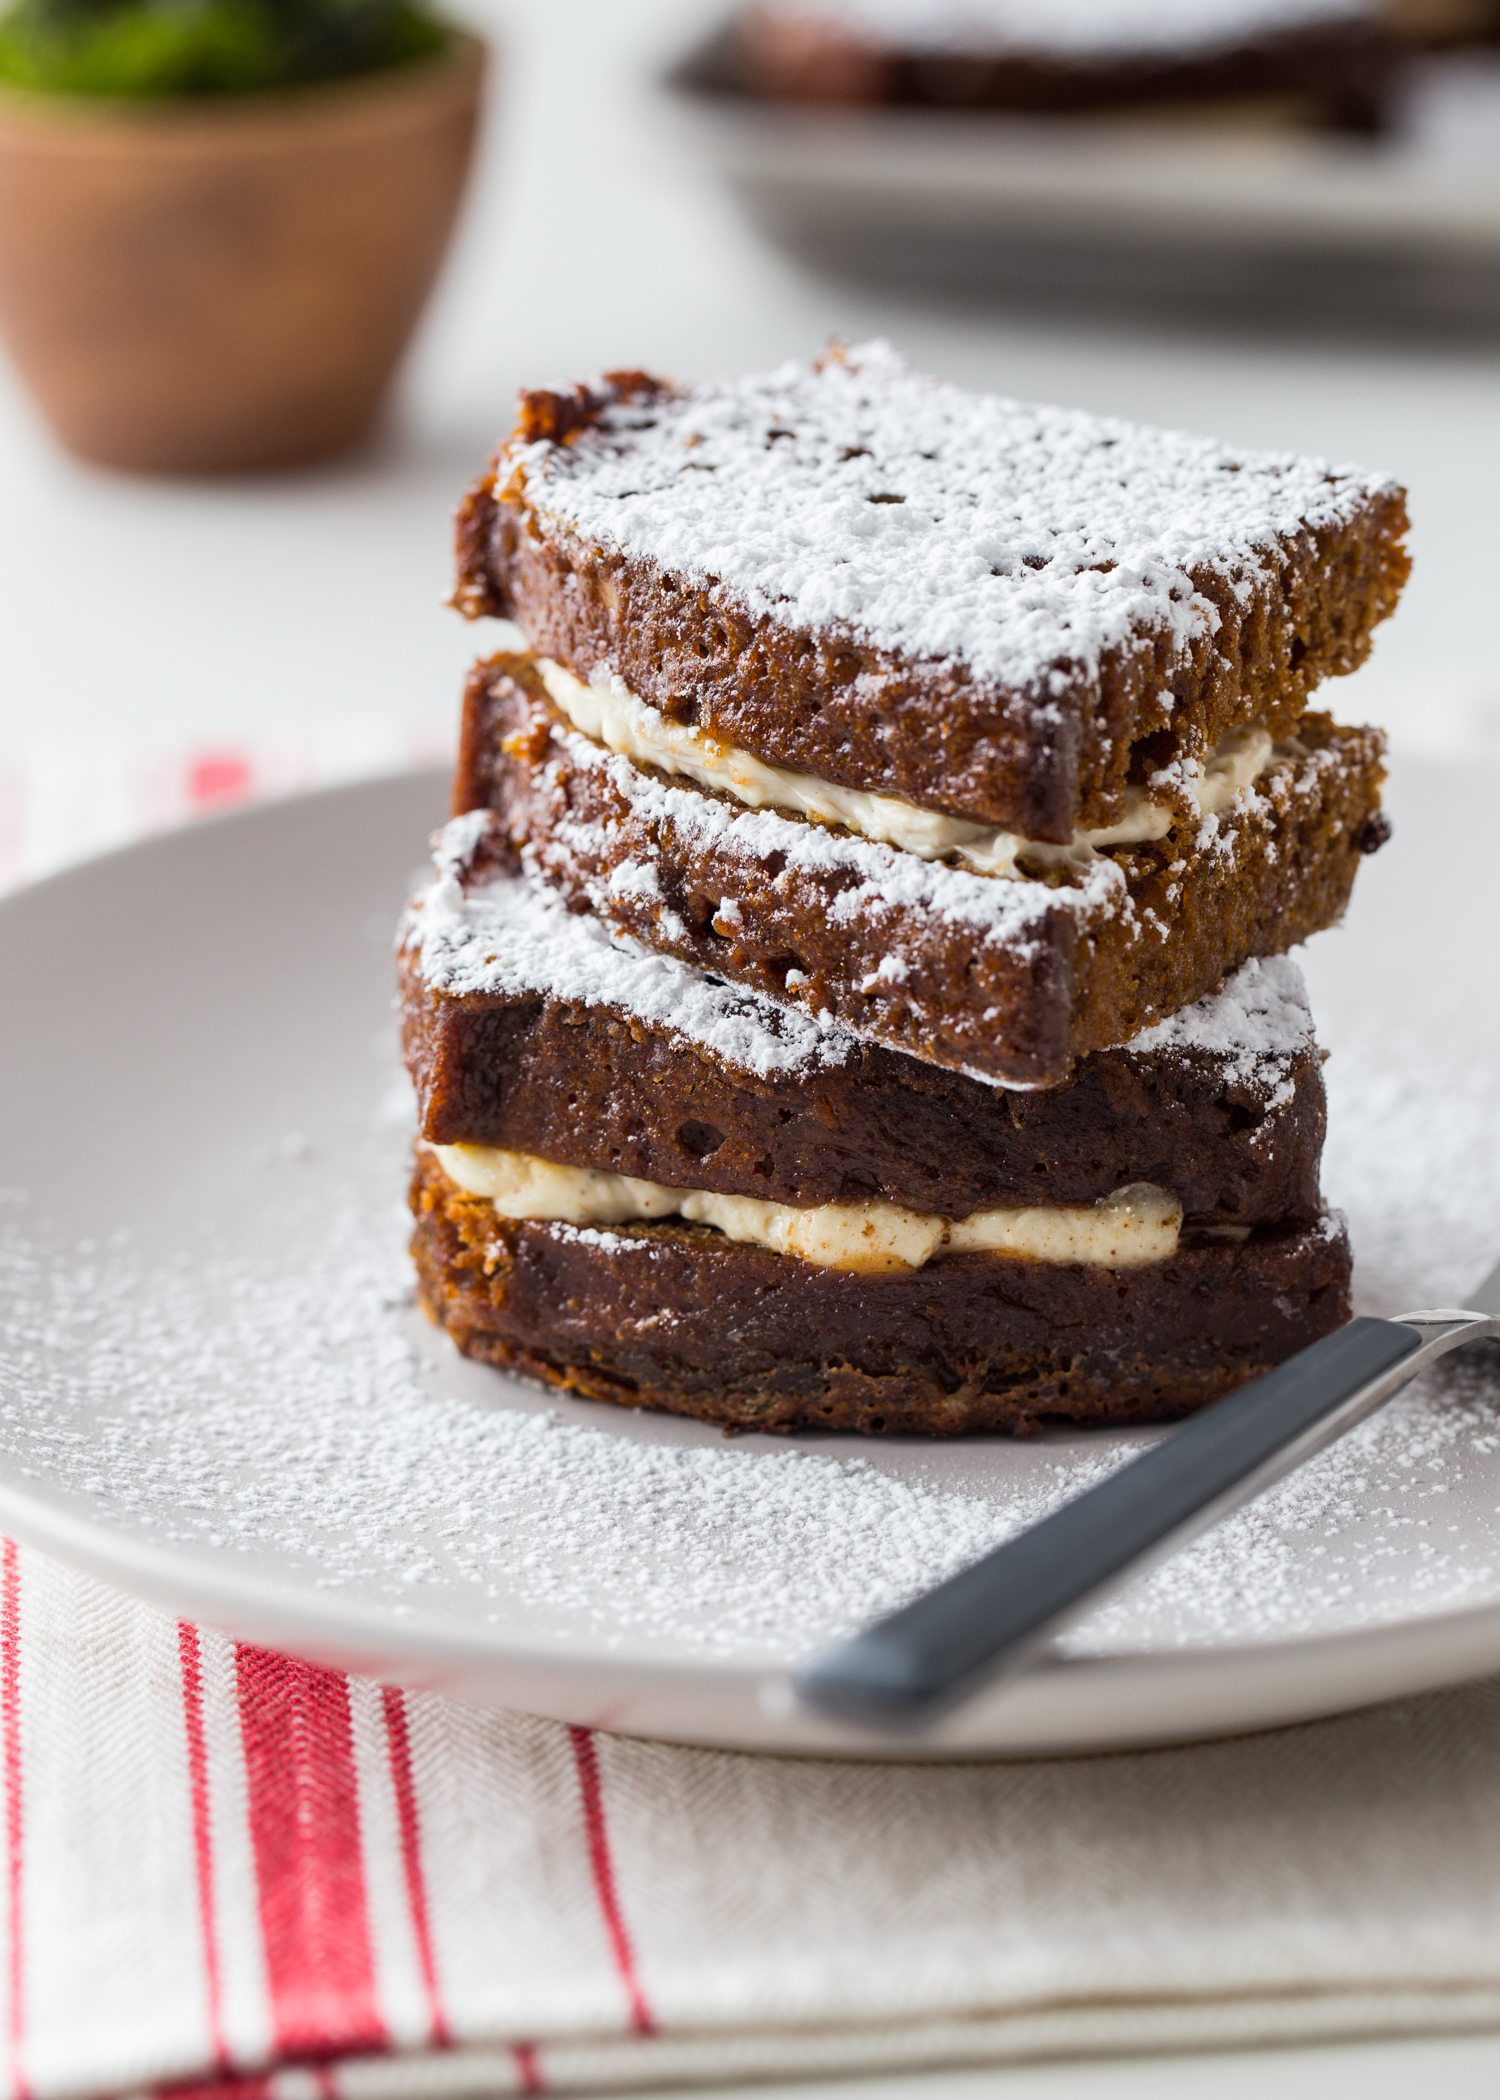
1025 542
506 936
1258 1022
513 935
241 1406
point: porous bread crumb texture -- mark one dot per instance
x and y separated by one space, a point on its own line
1009 981
998 610
672 1316
1226 1111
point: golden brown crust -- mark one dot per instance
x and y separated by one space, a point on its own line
675 1317
1085 973
826 703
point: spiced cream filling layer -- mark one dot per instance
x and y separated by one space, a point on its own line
609 713
1133 1227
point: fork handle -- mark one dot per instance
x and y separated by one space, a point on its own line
987 1619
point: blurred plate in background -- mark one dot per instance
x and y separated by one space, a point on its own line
1268 229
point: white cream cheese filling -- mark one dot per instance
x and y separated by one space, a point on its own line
1136 1225
609 713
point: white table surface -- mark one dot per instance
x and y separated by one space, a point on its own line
135 612
1460 2067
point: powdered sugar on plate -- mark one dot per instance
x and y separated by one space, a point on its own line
294 1405
1403 1515
301 1407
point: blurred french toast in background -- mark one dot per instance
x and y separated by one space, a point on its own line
1263 61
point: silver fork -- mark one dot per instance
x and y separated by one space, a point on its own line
991 1618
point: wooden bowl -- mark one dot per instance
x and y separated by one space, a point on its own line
216 287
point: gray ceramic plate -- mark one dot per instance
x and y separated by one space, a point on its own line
1268 228
215 1390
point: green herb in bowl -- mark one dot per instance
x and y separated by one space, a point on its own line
167 48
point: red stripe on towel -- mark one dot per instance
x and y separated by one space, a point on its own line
591 1788
398 1739
529 2077
203 1833
10 1689
304 1829
219 779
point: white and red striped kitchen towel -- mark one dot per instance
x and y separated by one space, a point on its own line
221 1865
234 1873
